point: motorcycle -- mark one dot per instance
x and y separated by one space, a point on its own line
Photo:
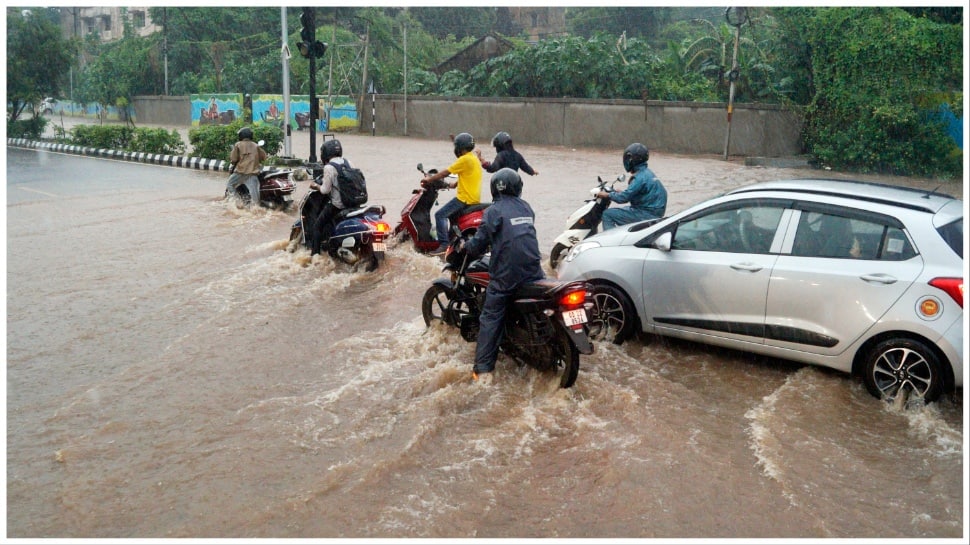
275 187
545 324
583 223
416 221
359 234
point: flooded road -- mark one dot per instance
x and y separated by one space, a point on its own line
173 372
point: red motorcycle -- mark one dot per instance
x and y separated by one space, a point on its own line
417 223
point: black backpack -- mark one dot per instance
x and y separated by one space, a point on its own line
351 184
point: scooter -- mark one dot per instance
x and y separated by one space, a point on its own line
275 187
359 234
584 222
545 324
417 223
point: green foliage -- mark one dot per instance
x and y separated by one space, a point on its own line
216 141
116 137
37 58
128 138
30 128
876 72
157 140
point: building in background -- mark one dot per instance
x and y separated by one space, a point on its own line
108 23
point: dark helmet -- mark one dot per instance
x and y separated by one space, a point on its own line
502 141
245 133
506 182
635 154
464 143
331 149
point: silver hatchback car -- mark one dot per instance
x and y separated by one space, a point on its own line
860 277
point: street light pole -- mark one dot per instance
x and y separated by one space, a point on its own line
285 54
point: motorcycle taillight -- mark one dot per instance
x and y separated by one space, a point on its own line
573 299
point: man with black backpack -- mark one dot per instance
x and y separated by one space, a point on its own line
345 187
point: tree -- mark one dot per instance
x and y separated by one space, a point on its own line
880 75
37 58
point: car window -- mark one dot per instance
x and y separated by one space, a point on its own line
748 228
952 233
833 236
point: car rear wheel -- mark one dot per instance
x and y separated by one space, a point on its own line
905 369
613 317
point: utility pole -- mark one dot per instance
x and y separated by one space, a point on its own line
735 17
165 45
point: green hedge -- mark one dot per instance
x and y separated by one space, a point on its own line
31 129
128 138
216 141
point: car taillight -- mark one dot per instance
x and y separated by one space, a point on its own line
952 286
573 298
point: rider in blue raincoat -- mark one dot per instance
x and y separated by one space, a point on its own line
646 195
508 227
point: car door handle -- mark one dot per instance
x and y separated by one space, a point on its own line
749 267
879 278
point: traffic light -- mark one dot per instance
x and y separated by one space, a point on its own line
309 46
308 34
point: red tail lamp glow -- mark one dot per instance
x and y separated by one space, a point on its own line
573 298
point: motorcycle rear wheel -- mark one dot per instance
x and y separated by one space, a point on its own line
567 366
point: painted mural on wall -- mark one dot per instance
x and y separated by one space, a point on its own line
342 113
336 115
216 109
268 110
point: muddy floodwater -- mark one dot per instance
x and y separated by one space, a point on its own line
173 372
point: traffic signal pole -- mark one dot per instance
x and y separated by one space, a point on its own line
309 35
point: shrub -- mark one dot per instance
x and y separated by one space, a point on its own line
117 137
31 129
216 141
158 141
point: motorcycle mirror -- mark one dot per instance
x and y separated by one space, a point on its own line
421 167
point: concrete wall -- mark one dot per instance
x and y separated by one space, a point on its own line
760 130
163 110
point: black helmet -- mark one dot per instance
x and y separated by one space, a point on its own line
506 182
464 143
502 141
245 133
635 154
331 149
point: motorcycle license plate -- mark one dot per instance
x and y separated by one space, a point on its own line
288 198
574 317
380 247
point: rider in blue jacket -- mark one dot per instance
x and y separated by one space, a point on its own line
646 195
508 228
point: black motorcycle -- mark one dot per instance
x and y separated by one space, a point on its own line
545 325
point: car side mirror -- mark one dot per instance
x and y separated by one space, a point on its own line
663 242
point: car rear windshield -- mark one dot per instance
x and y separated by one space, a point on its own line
952 233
